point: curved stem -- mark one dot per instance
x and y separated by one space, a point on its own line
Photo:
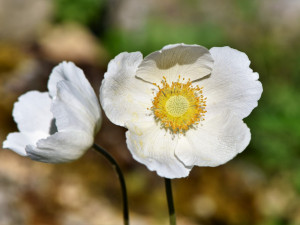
172 215
121 179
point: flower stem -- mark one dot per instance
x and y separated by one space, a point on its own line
121 179
172 215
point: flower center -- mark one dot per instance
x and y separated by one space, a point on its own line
179 106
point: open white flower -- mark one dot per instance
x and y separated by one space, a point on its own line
182 105
59 125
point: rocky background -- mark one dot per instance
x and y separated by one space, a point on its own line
261 186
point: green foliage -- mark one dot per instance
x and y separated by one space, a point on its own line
276 129
275 124
157 33
247 9
81 11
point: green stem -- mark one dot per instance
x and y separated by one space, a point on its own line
121 179
172 215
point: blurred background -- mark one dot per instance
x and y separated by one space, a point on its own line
261 186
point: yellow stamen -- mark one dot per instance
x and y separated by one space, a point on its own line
179 106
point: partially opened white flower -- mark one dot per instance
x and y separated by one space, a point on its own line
183 105
59 125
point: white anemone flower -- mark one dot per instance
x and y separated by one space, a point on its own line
183 106
59 125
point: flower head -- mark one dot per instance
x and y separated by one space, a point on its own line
183 105
59 125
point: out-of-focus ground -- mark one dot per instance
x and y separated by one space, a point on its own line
261 186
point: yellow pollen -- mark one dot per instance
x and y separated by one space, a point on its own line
179 106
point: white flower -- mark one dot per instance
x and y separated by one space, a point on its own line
58 126
183 105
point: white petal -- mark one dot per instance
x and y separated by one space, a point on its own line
32 112
232 84
189 61
17 142
72 110
68 71
216 142
154 147
123 96
60 147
